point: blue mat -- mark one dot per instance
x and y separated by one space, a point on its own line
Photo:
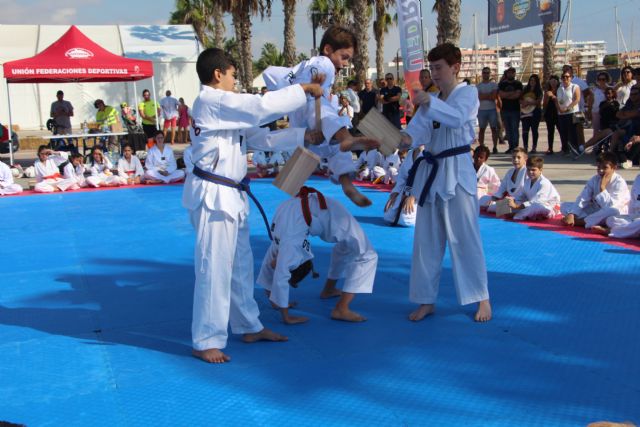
95 312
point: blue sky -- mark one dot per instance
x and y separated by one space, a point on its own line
591 20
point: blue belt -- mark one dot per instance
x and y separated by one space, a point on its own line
241 186
432 159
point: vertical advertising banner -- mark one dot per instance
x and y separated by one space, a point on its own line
507 15
410 28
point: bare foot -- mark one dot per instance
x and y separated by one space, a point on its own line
484 311
295 320
421 312
330 293
600 230
356 197
212 355
346 315
264 335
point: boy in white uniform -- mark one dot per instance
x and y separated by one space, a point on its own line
369 165
488 179
538 198
160 164
444 183
391 164
336 49
224 124
352 259
400 209
605 194
627 226
513 180
7 186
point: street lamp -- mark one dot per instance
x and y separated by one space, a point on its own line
398 66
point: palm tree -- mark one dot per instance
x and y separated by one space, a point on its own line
448 21
549 41
218 25
270 55
380 28
331 12
361 19
198 13
289 47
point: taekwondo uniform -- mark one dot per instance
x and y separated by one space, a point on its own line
540 199
595 206
225 125
352 258
7 186
157 161
488 184
509 187
48 175
187 157
370 165
75 173
448 211
395 215
339 162
628 226
130 169
101 174
391 164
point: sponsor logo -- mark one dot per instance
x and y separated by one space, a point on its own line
521 8
78 53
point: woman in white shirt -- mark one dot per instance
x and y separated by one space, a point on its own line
567 101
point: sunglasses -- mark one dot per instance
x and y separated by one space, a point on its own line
566 77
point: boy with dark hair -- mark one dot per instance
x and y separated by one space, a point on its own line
224 125
488 179
513 180
443 181
352 259
336 50
538 198
605 194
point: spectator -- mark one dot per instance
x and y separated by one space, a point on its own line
160 164
550 111
628 126
599 96
352 95
149 111
390 99
128 115
487 114
368 97
381 85
510 91
184 122
624 86
61 112
345 109
107 118
636 76
169 106
425 81
530 112
585 95
607 111
567 100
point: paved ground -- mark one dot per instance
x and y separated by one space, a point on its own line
568 175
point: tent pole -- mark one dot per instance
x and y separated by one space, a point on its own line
135 97
153 86
10 124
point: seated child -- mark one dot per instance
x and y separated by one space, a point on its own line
605 194
48 176
129 166
627 226
400 209
160 164
337 47
265 166
538 198
289 256
101 174
391 164
7 186
488 180
74 169
369 165
513 180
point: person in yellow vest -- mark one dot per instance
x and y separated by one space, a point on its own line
107 119
148 110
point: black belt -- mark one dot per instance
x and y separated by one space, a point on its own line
242 186
432 159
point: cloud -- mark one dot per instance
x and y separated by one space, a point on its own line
43 11
64 15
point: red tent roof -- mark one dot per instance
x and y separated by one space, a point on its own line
76 58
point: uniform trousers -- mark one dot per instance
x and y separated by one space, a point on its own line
223 293
454 221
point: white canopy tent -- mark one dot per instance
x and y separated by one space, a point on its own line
173 49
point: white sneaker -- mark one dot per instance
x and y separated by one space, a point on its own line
627 165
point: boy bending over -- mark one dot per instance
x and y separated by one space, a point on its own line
605 194
288 259
538 198
224 125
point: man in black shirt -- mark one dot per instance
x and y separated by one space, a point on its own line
367 97
390 99
510 91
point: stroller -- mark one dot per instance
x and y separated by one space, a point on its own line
136 137
60 144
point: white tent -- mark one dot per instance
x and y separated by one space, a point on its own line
173 49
